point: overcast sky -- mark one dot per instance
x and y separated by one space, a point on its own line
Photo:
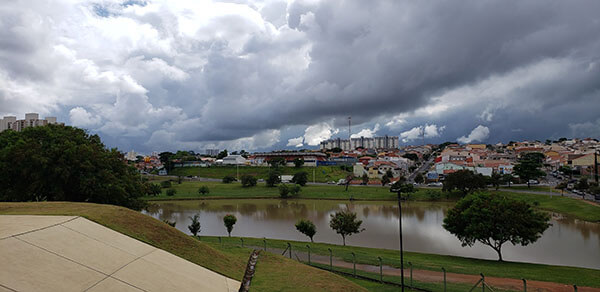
261 75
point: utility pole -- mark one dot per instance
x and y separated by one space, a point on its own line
596 164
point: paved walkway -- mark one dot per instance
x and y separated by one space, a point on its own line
64 253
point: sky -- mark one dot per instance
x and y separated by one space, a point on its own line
261 75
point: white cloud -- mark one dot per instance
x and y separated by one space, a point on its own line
82 118
296 142
479 134
426 131
367 133
313 135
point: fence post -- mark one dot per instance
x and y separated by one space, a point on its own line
290 248
482 282
354 264
411 278
575 288
265 243
444 270
220 243
524 285
380 269
308 246
330 259
242 240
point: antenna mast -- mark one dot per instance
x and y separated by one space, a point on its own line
349 124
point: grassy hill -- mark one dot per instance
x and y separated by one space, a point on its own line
273 273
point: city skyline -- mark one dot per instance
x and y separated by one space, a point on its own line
270 75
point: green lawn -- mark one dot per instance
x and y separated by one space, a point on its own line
321 173
452 264
189 190
578 208
533 188
273 273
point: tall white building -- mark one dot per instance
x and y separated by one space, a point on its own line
31 120
384 142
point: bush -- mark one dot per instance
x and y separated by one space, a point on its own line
229 220
248 181
434 195
203 190
154 189
300 178
228 179
273 179
165 184
171 192
295 190
284 191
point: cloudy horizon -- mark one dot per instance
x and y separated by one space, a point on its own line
261 75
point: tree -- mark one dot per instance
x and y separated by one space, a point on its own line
277 161
228 179
567 170
273 178
154 189
403 188
203 190
165 159
385 179
307 228
64 163
365 179
528 167
195 226
495 180
248 181
419 178
229 220
298 162
494 220
222 154
300 178
336 150
507 178
345 224
411 156
465 181
165 184
582 184
171 192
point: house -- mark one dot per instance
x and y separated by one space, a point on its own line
162 171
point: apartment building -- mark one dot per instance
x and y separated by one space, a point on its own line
383 142
31 120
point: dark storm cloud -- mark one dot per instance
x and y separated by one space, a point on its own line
230 72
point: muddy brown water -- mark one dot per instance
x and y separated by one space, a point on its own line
568 241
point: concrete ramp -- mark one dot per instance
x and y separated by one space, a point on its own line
63 253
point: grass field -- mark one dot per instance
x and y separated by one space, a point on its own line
533 189
321 173
273 273
189 190
452 264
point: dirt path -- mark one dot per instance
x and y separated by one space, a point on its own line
434 276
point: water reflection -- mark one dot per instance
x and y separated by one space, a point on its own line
567 242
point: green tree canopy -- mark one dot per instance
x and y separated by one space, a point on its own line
273 178
529 166
229 220
419 178
63 163
345 224
494 220
195 226
298 162
307 228
411 156
277 161
248 181
300 178
465 181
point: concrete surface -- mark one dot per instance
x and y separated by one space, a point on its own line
63 253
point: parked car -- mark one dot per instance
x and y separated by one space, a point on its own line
435 184
330 182
533 182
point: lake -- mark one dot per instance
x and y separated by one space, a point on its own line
568 241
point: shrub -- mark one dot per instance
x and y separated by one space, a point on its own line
273 179
295 190
248 181
203 190
171 192
165 184
434 195
154 189
228 179
300 178
229 220
284 191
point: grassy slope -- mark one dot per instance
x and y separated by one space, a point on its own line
453 264
274 273
189 190
322 173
